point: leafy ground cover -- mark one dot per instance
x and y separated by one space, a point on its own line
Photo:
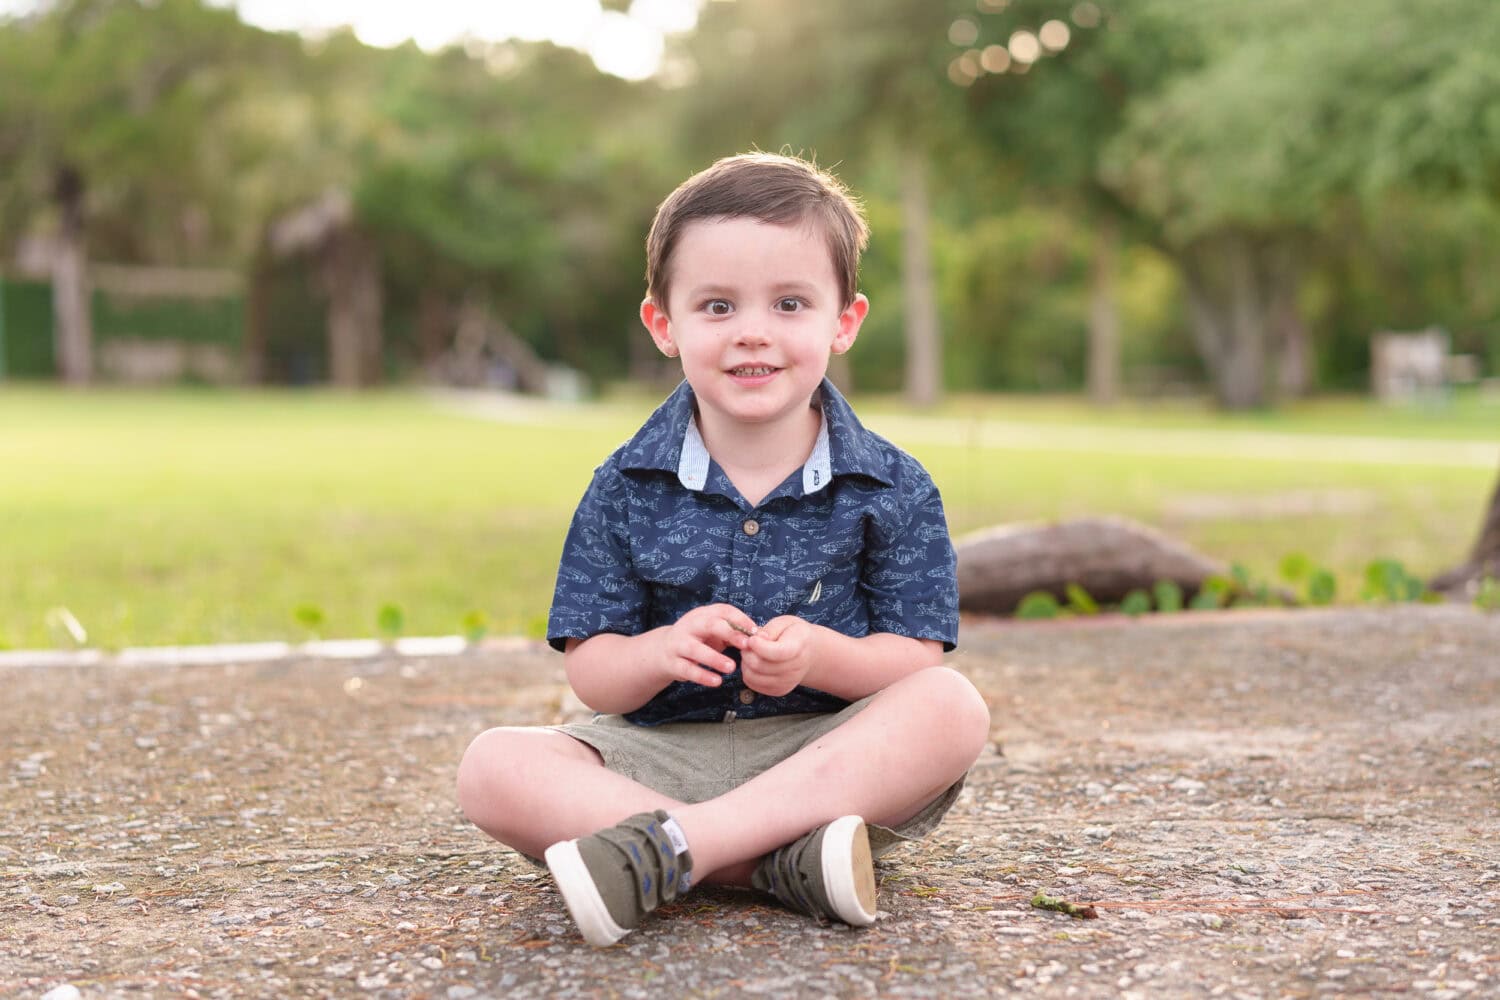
196 516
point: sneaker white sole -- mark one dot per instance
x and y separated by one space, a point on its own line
582 896
848 871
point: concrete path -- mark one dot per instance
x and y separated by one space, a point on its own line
1254 804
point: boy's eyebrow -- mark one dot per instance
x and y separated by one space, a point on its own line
716 288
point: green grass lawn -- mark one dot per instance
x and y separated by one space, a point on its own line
196 516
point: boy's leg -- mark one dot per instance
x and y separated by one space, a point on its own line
909 744
530 788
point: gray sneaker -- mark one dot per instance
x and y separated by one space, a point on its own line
826 874
613 878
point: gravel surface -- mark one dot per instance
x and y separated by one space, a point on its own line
1255 804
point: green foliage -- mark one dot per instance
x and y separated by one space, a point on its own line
1318 585
1215 593
1168 596
1488 596
1136 603
475 625
1296 567
1387 580
1248 591
310 619
1039 605
1079 600
390 620
1322 587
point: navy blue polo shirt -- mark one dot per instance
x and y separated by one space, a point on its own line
855 540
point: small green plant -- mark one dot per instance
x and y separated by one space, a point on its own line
1039 605
1388 580
1248 591
1136 603
1318 585
1322 587
476 625
1080 601
1488 596
310 619
1213 594
1296 567
390 621
1168 596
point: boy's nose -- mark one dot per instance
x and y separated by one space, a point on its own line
751 333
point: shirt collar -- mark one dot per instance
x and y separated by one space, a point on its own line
669 442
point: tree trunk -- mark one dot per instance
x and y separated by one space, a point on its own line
1294 360
1230 289
435 326
1104 315
1484 558
257 305
924 357
351 268
72 322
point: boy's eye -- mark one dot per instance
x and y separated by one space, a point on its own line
718 307
789 304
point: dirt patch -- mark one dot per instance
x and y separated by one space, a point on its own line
1268 805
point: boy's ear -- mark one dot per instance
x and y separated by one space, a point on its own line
849 322
656 321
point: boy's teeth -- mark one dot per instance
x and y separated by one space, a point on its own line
754 371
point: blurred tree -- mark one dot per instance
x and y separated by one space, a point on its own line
483 195
1048 86
1293 109
109 127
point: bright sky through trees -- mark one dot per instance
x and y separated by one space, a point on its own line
628 45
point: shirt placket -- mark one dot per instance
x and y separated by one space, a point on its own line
742 557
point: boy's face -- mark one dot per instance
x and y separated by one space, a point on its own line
754 314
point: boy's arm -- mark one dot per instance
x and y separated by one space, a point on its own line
619 673
788 651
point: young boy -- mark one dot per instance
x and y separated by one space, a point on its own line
755 594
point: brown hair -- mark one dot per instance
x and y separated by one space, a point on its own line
781 190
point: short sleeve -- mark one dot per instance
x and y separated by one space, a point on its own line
910 576
597 587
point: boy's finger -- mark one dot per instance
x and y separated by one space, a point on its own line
702 675
713 659
769 649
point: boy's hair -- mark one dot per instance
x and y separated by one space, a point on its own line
782 190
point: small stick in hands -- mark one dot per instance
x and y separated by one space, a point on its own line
740 628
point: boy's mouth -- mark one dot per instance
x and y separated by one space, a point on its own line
752 371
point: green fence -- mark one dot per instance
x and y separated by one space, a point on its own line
26 329
26 344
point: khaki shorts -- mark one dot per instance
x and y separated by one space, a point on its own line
696 761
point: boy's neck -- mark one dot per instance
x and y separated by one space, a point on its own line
757 457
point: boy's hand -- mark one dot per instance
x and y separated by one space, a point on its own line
692 649
778 657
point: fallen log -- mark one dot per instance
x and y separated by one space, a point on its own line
1106 556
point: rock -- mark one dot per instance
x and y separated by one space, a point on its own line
1107 556
67 991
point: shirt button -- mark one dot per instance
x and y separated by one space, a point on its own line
752 527
746 697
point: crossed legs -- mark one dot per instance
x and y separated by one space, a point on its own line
530 788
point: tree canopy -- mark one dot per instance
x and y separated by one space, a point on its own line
1259 172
